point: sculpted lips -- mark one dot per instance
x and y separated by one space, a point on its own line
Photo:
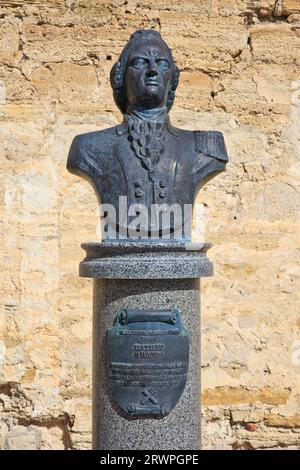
152 81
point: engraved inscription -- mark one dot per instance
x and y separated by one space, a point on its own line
159 375
143 332
148 351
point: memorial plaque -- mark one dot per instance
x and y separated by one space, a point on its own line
147 360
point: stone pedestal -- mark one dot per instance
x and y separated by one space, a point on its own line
145 276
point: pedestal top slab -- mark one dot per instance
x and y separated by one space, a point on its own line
146 260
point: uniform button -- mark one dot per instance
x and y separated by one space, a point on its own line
138 193
162 184
162 194
137 184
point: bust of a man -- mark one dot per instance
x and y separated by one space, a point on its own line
145 163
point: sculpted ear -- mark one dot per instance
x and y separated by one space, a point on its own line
176 77
115 76
117 84
173 85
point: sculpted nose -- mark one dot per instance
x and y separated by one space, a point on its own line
152 72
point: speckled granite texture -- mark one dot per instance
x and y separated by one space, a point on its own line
146 260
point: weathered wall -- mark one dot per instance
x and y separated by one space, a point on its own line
240 63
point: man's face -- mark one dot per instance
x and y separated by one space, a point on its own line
148 75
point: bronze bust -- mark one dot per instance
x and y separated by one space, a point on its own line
145 158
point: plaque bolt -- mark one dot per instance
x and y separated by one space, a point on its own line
123 316
165 409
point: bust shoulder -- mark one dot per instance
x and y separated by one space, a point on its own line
85 149
90 140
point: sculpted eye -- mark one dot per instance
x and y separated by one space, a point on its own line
162 64
138 62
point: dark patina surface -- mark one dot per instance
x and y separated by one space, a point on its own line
145 158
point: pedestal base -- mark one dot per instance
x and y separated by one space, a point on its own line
145 276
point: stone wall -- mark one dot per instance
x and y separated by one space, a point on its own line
240 73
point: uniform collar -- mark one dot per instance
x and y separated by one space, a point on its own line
122 129
155 114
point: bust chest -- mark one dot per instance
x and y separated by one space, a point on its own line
189 159
170 182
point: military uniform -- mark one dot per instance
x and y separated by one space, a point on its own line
106 159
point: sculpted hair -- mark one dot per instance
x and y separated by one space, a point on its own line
118 70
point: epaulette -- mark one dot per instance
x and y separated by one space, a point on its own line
211 143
